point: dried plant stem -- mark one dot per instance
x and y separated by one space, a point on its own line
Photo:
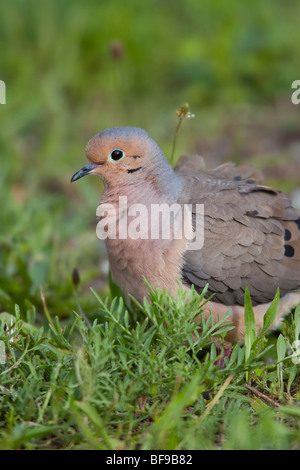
174 141
262 396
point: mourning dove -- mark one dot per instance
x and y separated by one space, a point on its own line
251 231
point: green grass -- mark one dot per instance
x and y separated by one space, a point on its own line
130 380
142 384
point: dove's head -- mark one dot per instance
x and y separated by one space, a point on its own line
124 155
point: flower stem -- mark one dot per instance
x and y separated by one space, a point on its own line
174 141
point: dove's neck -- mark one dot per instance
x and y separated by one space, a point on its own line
154 185
165 180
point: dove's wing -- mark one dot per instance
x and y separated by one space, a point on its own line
251 238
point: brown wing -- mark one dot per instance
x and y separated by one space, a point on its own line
251 238
194 165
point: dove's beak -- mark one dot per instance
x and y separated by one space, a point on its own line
86 170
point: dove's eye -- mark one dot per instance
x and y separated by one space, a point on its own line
116 154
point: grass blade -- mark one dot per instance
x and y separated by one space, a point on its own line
250 329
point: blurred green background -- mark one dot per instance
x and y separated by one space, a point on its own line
73 68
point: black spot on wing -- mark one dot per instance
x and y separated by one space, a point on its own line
287 235
252 213
289 251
